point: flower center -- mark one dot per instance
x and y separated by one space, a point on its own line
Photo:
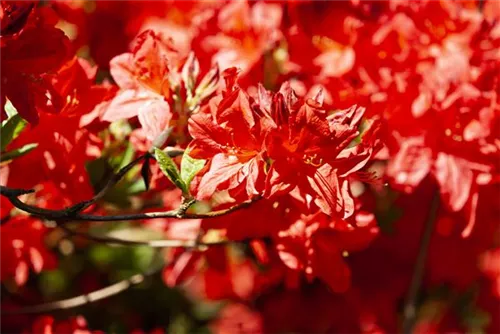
312 160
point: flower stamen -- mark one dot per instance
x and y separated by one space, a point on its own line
310 160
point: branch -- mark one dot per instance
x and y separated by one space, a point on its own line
192 244
88 298
72 211
13 196
410 308
178 213
112 181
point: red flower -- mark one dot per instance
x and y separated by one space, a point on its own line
230 132
23 249
295 142
64 146
48 325
72 92
143 76
153 82
27 58
309 149
316 245
237 318
245 33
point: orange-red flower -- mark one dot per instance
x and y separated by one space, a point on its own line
315 150
31 49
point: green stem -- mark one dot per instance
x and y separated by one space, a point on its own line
410 308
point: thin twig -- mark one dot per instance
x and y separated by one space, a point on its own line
112 181
73 211
88 298
166 214
163 243
13 196
410 308
180 213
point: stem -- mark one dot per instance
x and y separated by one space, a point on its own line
72 211
13 194
88 298
112 181
162 243
165 214
410 308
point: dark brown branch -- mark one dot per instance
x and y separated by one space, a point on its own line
67 215
72 212
112 181
88 298
180 213
13 196
410 308
166 214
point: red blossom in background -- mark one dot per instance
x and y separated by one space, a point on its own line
24 249
47 324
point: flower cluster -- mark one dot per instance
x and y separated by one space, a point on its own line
253 166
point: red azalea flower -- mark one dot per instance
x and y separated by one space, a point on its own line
316 245
313 150
237 318
152 79
48 325
27 57
23 249
64 146
304 147
454 150
143 76
243 35
72 91
230 132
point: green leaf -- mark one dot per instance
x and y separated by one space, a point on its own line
53 282
169 168
189 168
127 156
18 152
11 129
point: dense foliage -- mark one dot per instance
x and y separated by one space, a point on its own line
246 167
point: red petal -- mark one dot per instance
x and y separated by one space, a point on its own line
122 70
154 117
455 180
222 168
326 185
21 275
36 259
127 103
184 267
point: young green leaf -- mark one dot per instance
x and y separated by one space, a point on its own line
169 168
190 167
18 152
11 129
